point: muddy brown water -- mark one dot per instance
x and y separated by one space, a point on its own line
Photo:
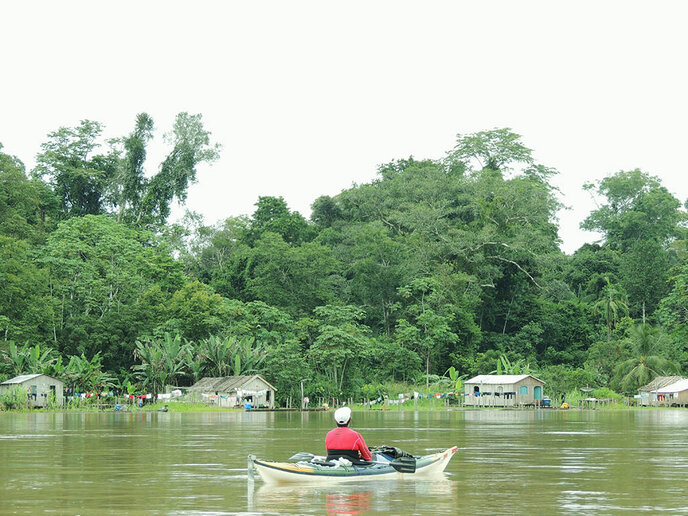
509 462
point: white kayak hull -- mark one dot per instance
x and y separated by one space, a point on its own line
428 466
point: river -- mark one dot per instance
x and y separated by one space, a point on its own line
509 462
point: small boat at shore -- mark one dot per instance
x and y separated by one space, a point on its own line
312 469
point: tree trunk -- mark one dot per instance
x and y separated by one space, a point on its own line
427 370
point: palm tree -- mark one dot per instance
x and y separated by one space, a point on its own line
162 361
612 300
645 363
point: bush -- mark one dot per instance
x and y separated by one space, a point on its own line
604 393
560 379
13 399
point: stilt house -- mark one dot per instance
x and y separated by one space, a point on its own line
505 390
674 394
647 394
39 389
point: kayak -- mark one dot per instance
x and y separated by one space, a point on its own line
319 470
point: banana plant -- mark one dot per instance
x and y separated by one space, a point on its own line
456 380
29 360
505 366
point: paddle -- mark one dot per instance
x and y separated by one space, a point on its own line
402 464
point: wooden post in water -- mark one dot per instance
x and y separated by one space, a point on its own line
302 404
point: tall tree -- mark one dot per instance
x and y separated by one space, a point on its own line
25 308
191 146
639 219
27 207
376 265
673 310
77 175
341 342
294 278
428 325
99 272
195 312
498 150
637 208
92 184
130 184
272 215
611 304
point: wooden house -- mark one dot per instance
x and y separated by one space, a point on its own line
647 394
505 390
38 387
235 391
674 394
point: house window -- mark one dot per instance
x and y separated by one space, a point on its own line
524 389
267 396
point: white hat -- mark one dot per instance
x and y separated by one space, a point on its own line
342 415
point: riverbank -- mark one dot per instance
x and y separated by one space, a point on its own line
421 406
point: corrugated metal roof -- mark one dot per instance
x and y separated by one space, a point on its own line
21 379
680 386
659 382
499 379
225 383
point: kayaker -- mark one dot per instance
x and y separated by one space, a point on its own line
343 441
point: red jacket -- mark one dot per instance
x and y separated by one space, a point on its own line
344 438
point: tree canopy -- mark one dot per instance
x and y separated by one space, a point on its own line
437 265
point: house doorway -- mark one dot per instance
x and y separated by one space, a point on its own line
537 392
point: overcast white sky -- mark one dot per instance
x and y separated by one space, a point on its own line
308 97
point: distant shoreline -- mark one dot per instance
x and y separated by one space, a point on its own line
180 408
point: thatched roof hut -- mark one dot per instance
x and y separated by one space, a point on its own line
234 391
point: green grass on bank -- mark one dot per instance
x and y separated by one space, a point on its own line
387 394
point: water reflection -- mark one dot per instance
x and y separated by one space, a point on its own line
390 496
523 462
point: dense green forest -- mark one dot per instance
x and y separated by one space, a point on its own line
437 263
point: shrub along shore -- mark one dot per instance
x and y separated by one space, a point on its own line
405 398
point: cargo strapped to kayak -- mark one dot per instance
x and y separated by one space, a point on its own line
390 451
